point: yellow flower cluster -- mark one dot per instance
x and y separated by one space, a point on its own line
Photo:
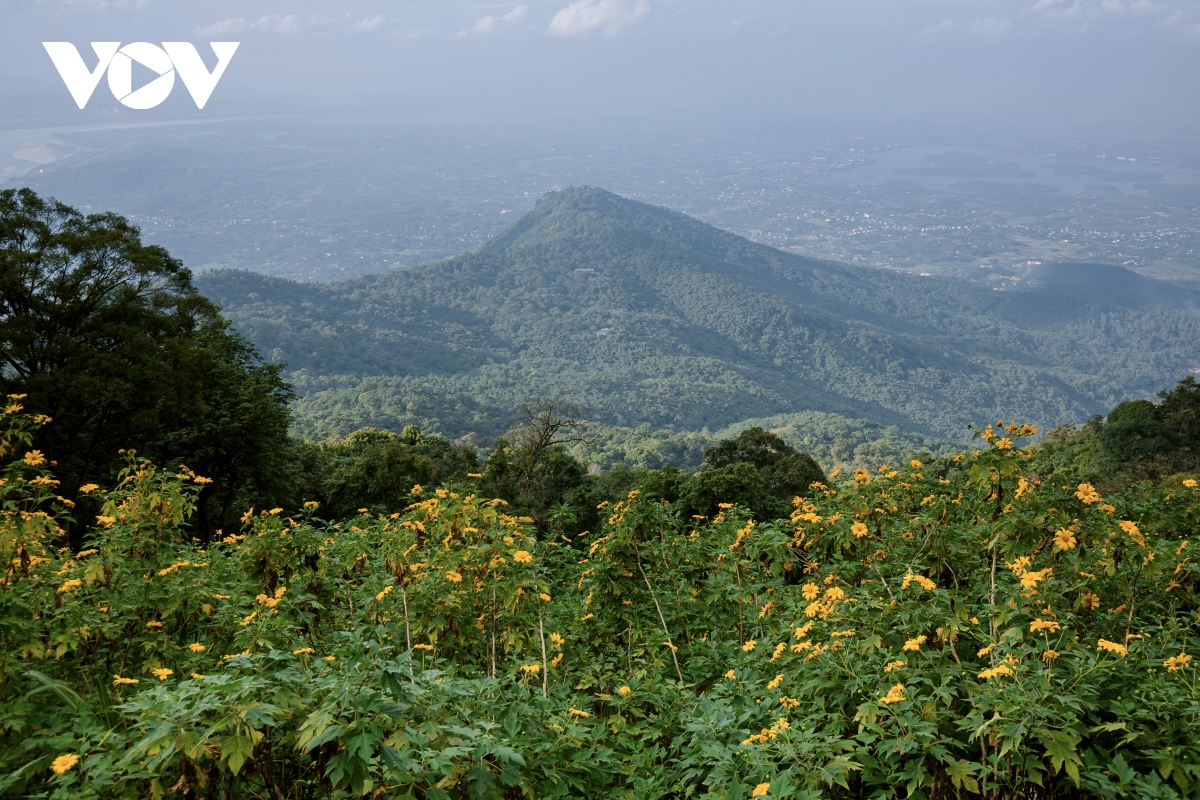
915 643
996 671
1176 663
920 580
1044 625
894 695
767 734
891 665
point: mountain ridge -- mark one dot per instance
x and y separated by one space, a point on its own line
651 317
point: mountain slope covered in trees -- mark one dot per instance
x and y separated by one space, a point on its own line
650 317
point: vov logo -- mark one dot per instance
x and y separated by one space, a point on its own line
165 61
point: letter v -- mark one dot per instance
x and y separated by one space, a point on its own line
196 77
80 82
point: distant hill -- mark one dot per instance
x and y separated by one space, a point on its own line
650 317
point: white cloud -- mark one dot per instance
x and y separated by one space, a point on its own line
494 22
415 33
367 24
944 27
1054 9
991 28
603 16
273 22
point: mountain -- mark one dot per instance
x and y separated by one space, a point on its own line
647 316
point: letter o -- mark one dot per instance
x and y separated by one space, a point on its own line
120 75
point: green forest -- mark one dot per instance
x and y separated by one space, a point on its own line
202 597
648 317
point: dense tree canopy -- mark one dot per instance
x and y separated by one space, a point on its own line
109 338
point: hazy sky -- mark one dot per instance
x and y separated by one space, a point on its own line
1023 62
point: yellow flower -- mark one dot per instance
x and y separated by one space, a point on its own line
522 557
64 763
774 684
624 690
915 644
88 487
1088 494
859 530
915 464
196 647
1090 600
1044 625
331 658
34 458
69 586
1190 483
984 651
249 618
1112 647
198 677
810 591
545 598
202 480
416 489
119 681
386 591
1064 539
106 521
1175 663
921 580
311 504
891 665
674 649
1002 669
302 651
894 695
554 661
575 712
1049 655
760 790
748 647
731 675
1004 444
556 640
531 669
586 617
422 647
162 673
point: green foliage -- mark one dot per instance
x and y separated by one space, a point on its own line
1138 440
899 635
108 338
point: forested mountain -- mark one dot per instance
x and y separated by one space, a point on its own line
647 316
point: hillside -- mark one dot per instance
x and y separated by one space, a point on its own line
650 317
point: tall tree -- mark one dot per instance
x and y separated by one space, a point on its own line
109 337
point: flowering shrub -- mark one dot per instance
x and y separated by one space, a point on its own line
908 632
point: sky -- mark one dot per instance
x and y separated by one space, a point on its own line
1008 62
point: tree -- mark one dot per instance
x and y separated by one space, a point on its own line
109 337
784 472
